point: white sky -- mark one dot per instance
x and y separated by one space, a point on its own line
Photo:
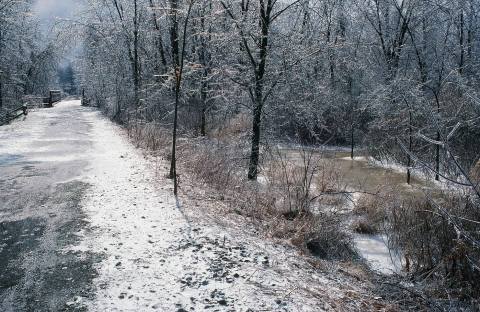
50 9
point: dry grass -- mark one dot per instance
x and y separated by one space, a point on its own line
372 210
437 237
150 136
286 205
233 128
363 226
475 173
280 206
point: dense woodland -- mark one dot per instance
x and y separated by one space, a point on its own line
398 79
395 80
28 62
361 73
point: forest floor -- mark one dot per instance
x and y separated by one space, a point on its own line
88 223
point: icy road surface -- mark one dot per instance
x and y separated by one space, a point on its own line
86 224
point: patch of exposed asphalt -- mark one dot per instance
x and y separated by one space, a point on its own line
38 270
17 237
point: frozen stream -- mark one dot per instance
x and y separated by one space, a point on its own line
374 250
360 174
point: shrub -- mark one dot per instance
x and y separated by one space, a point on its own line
372 208
283 204
475 173
363 226
438 237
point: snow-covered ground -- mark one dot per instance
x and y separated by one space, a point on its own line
156 257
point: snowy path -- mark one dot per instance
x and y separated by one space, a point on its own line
41 161
156 259
153 257
139 251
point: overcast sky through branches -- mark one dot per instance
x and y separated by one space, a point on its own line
51 9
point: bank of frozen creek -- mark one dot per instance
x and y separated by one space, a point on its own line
362 175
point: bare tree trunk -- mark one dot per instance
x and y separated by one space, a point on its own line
410 145
470 32
179 64
255 152
161 49
258 63
437 150
352 117
265 19
437 159
136 72
174 44
173 165
203 117
1 93
461 64
352 141
176 63
1 74
205 60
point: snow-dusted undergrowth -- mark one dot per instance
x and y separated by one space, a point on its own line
155 258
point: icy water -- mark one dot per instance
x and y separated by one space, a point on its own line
361 175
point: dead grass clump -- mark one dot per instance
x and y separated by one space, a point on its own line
212 165
303 181
233 128
281 203
301 184
371 208
328 239
322 236
149 136
291 186
328 178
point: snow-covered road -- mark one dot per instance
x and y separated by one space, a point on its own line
138 247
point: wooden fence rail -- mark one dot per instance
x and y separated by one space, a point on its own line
14 114
54 97
31 101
